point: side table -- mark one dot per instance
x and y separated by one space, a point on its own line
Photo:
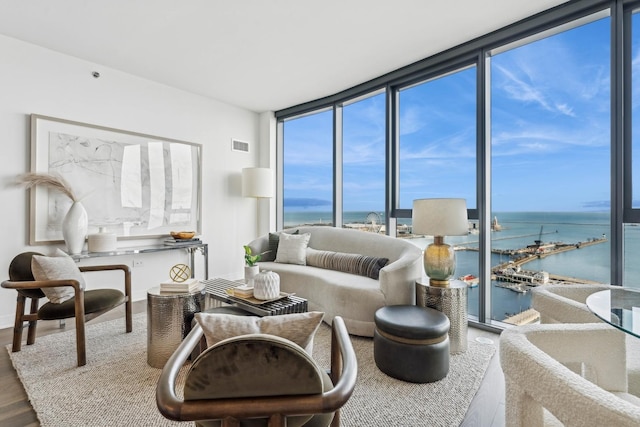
452 301
169 316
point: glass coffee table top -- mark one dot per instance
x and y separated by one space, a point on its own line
618 307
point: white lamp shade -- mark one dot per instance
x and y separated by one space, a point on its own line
440 217
257 182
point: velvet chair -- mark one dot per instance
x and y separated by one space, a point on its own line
84 305
258 380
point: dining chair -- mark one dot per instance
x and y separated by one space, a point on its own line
566 374
567 304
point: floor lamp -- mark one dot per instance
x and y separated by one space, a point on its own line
258 183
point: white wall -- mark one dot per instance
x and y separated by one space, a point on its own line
37 80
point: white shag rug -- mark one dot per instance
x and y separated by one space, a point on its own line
117 387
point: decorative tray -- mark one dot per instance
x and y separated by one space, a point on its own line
256 301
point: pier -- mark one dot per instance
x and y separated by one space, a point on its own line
530 253
523 318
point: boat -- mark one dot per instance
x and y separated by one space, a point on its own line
470 280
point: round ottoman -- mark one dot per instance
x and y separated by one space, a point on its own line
411 343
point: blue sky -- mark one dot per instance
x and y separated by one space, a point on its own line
550 116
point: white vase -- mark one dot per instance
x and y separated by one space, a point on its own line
250 273
74 228
266 285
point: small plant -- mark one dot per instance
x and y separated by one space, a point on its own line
249 259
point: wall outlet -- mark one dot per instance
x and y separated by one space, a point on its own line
137 263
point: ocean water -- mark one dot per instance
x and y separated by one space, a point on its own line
520 229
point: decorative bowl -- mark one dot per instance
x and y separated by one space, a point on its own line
183 234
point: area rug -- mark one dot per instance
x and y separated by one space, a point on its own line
117 387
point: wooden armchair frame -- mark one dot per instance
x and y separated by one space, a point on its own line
33 291
343 374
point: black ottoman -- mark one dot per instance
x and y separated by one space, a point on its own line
411 343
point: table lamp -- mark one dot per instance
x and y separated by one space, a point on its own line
439 218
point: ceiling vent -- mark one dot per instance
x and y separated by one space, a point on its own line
237 145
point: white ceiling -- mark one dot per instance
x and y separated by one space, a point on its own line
258 54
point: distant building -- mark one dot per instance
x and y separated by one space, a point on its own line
495 226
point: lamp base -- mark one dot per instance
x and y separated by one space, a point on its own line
439 283
439 262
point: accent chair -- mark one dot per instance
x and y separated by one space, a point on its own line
258 380
78 303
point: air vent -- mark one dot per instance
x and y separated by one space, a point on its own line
237 145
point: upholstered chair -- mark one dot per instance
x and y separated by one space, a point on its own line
567 304
566 374
62 280
258 380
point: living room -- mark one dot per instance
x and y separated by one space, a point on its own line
216 88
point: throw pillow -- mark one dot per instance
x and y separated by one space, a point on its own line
298 327
274 240
57 267
292 248
362 265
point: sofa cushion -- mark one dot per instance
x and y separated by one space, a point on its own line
274 240
60 266
361 265
292 248
298 327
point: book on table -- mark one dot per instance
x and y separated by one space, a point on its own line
179 242
243 291
188 285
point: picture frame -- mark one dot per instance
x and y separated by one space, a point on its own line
132 184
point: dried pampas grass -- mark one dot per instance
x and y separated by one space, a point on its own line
52 181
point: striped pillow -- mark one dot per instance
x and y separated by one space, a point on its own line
361 265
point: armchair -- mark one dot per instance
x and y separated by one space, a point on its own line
571 373
258 379
83 305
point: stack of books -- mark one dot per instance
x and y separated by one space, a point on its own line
243 291
181 242
188 285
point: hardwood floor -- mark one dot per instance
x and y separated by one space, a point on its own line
486 410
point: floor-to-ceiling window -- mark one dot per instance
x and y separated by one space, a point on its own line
437 139
550 166
632 227
308 170
363 163
518 123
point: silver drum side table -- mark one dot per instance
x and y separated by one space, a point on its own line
169 316
452 301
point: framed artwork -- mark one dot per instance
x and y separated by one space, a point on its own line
132 184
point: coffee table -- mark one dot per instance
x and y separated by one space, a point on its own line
216 289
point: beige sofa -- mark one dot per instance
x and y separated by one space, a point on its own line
337 293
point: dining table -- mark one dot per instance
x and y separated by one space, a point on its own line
618 307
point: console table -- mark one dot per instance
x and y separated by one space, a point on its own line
191 248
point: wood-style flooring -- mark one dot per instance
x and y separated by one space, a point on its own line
486 410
